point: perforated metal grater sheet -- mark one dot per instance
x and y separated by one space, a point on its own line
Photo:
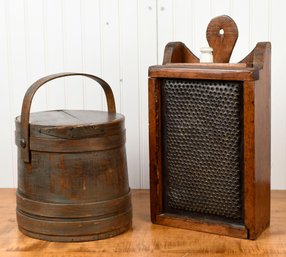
202 148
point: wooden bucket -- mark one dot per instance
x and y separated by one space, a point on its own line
72 171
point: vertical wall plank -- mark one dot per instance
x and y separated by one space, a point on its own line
221 7
259 22
73 52
53 34
110 48
241 15
91 52
18 47
35 49
183 13
129 76
165 19
147 52
202 9
6 135
17 60
278 91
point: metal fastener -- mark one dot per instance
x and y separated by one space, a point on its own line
23 143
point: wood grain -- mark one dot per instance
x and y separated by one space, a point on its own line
222 34
29 95
86 165
203 72
254 71
146 239
257 117
155 144
249 155
177 52
262 138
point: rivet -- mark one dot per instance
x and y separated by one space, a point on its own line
23 143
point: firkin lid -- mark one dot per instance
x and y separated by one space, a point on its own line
73 124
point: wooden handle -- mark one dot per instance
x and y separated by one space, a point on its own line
222 34
27 101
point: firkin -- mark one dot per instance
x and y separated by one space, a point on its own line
72 171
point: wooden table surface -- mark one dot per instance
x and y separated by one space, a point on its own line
146 239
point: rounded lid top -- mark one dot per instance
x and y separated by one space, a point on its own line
73 124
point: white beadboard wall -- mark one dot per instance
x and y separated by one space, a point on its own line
117 40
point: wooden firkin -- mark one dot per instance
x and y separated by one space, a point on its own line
72 171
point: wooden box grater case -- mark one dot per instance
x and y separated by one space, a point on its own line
72 171
209 133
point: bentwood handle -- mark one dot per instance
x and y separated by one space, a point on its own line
27 101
